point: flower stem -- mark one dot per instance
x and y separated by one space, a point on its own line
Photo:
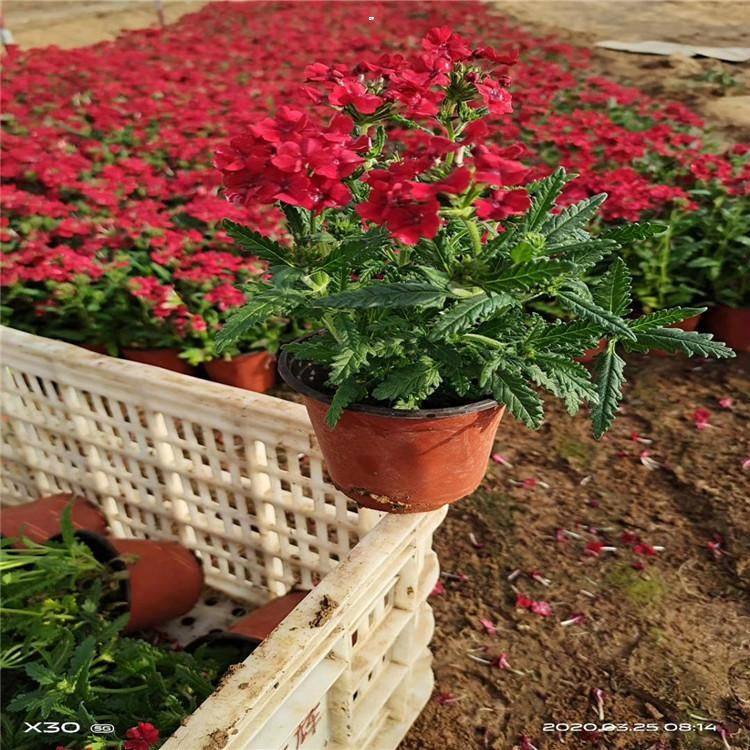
476 240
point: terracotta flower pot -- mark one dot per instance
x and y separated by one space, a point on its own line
169 359
589 354
261 622
165 580
96 348
689 324
255 371
236 644
730 325
39 521
399 461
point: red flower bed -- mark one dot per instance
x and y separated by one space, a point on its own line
111 207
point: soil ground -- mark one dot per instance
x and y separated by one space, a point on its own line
76 23
719 91
666 643
664 636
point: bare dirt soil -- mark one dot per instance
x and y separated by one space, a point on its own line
76 23
664 628
719 91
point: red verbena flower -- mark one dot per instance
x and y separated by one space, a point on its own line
141 737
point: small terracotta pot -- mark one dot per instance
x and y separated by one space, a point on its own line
255 371
39 520
237 643
730 325
689 324
399 461
169 359
589 354
261 622
164 579
96 348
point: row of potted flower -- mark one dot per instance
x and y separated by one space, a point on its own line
109 193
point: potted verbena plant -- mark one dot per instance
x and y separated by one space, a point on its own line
250 362
420 251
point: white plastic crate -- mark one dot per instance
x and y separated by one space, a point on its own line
238 477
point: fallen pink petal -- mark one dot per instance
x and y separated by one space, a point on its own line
598 696
498 458
541 608
502 662
524 743
474 542
726 402
702 418
647 461
445 699
535 575
489 626
577 618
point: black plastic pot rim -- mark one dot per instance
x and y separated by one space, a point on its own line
286 366
225 637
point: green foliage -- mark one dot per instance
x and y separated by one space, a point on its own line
440 323
609 380
65 658
261 246
703 254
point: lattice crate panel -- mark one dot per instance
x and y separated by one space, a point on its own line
383 673
242 483
255 507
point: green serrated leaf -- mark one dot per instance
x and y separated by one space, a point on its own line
398 294
264 247
572 218
317 349
583 254
632 232
266 304
352 354
676 340
613 291
41 674
522 402
594 313
527 275
565 338
410 384
545 193
82 657
356 250
609 378
294 220
347 393
468 312
664 318
568 380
